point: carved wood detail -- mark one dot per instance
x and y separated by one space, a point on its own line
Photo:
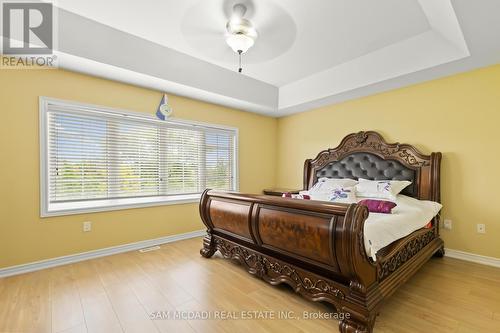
209 247
411 248
372 142
275 271
352 326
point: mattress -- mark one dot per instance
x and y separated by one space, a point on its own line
408 216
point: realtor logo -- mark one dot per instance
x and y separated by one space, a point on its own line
28 34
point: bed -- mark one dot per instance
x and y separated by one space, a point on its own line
317 247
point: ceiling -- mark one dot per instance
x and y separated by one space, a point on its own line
315 34
308 53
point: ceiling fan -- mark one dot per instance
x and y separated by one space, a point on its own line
241 33
260 29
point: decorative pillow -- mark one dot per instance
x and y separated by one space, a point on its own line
327 185
343 195
428 225
378 206
296 196
382 189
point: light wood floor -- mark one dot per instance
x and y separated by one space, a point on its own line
118 294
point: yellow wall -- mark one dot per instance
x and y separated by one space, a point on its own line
458 115
25 237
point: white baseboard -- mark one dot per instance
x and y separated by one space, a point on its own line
484 260
72 258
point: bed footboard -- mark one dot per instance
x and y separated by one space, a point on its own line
315 247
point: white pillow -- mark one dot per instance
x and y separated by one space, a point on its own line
327 185
380 189
338 194
343 195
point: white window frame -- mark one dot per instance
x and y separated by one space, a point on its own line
92 206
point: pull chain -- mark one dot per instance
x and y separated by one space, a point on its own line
239 54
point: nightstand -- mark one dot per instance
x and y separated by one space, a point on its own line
278 192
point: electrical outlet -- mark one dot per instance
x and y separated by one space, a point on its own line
481 228
447 224
87 226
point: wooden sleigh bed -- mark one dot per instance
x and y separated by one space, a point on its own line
317 247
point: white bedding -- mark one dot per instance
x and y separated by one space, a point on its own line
408 216
382 229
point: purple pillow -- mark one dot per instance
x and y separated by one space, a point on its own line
378 206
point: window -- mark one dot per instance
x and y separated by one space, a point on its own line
95 158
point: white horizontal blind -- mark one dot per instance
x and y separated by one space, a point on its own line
100 155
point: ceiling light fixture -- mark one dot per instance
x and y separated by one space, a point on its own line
241 34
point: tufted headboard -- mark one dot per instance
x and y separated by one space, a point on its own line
367 155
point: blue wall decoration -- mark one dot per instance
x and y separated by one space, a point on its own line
164 110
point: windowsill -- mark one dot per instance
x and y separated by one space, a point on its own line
70 208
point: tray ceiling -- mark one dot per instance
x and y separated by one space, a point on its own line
308 54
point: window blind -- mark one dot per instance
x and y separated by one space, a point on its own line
96 155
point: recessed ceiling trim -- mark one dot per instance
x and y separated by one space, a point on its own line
97 49
98 69
443 20
428 49
88 39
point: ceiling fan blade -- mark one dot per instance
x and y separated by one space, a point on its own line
204 29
